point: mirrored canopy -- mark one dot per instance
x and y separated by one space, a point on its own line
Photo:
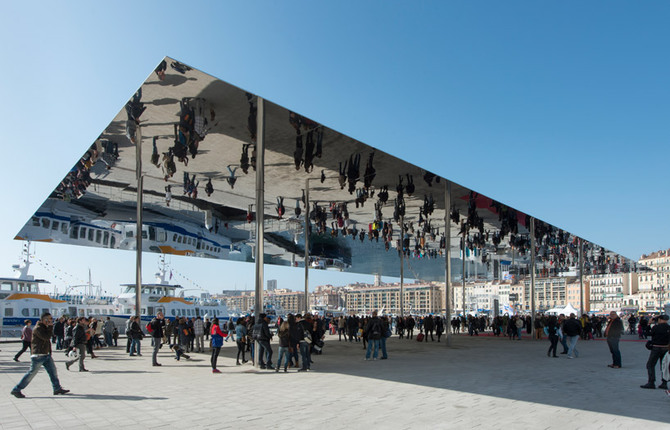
198 142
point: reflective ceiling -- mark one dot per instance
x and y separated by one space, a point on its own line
198 138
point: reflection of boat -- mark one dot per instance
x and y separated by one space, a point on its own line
60 222
88 301
328 264
167 298
21 299
327 312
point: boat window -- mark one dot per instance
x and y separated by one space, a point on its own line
82 233
152 233
105 238
111 311
63 228
25 312
112 242
98 236
74 233
36 312
144 234
129 233
36 221
162 236
97 311
45 222
34 288
91 233
55 225
6 286
178 240
21 287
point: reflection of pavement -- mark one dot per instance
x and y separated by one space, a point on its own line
483 381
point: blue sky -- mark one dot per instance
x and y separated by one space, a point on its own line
557 108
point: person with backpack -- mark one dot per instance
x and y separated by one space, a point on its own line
304 337
261 334
155 329
241 332
572 329
199 334
374 331
217 343
79 342
136 336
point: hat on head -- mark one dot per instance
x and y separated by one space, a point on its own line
663 317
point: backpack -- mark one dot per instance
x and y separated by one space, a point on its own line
375 330
256 331
150 327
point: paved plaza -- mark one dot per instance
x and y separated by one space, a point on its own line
480 382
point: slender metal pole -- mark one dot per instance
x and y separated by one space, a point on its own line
447 262
463 261
260 216
306 245
138 228
532 277
402 265
581 277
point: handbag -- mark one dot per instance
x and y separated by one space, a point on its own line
217 340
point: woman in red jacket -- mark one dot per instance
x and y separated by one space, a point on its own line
217 342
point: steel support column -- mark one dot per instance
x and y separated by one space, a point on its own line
260 216
138 228
447 262
402 265
306 245
533 256
581 277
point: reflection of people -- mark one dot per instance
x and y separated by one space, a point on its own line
168 194
209 188
160 70
280 207
250 214
244 159
231 178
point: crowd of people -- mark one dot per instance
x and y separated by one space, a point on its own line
301 337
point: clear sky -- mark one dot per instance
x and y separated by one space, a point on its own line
560 109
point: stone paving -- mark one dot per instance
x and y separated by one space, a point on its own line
479 382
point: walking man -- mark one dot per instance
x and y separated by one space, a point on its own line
572 328
41 356
79 342
613 333
157 325
26 338
108 330
660 338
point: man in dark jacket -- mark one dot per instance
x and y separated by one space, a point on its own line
79 343
41 356
374 330
660 338
263 337
571 329
613 333
157 325
304 337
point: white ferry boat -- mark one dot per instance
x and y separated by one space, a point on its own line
21 299
162 296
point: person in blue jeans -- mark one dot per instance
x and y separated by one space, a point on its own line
41 356
374 330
